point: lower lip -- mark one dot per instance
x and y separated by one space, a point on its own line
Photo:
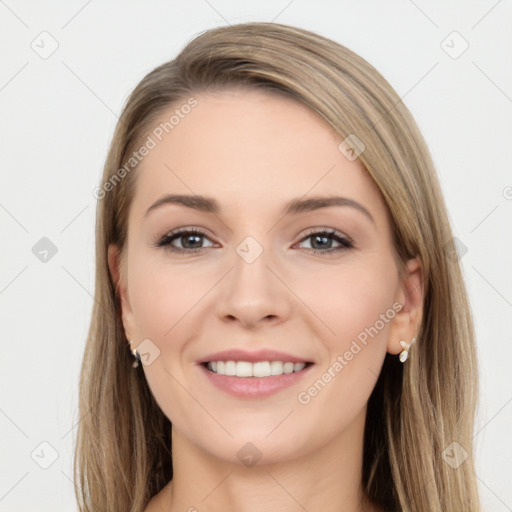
254 387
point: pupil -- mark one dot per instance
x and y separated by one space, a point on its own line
197 237
318 237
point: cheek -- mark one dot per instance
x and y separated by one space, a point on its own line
357 305
350 299
162 296
163 299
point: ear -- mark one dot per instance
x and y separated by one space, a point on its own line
118 273
410 294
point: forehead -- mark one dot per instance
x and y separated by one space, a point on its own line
251 150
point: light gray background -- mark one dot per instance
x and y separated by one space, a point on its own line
58 115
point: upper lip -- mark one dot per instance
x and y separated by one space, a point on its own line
253 356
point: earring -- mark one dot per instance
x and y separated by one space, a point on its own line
136 356
405 352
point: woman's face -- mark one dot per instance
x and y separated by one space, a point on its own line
261 281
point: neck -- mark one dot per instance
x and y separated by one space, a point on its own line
327 479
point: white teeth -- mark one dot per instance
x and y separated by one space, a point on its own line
261 369
243 369
276 368
258 369
230 368
288 367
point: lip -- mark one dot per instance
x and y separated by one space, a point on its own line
253 387
252 357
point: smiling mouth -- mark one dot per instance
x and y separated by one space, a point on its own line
256 369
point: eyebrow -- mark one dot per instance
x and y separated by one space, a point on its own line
294 206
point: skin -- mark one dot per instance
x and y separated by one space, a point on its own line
252 151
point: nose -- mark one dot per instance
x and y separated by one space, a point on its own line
252 293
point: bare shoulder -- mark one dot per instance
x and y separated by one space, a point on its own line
160 502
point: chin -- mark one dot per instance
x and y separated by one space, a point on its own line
252 447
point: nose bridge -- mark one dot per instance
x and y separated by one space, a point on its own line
253 292
251 276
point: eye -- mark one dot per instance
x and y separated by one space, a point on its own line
321 242
190 239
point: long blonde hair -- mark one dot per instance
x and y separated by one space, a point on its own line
417 410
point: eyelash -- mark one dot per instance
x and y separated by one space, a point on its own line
166 240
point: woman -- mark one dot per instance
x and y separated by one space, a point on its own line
280 322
